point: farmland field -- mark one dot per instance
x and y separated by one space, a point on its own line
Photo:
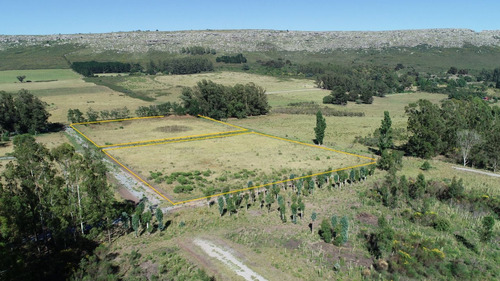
221 164
67 91
165 88
143 130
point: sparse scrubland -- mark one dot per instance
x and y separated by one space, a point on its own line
420 102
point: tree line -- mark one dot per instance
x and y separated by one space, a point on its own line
361 83
239 58
468 130
22 113
198 50
89 68
218 101
187 65
51 203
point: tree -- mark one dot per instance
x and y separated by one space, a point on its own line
294 208
146 220
269 201
325 231
302 207
319 130
425 125
487 228
21 78
467 139
385 138
313 218
344 233
339 95
159 219
135 224
220 200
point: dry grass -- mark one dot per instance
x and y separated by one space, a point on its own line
150 129
266 157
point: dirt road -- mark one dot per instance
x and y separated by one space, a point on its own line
478 172
228 259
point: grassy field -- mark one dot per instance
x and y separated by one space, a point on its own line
231 161
341 131
43 75
165 88
143 130
68 91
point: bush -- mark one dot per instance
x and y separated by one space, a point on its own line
441 224
425 166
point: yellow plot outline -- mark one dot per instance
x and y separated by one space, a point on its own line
72 125
242 189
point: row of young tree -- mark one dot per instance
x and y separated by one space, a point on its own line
91 115
22 113
51 202
218 101
89 68
295 188
186 65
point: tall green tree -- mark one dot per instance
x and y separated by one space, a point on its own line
425 125
159 219
320 128
385 139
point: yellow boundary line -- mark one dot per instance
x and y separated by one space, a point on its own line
176 141
243 189
155 140
138 177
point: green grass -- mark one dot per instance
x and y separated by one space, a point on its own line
42 75
36 57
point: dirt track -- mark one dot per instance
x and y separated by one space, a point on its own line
228 259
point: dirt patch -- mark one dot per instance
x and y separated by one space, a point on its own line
149 268
292 244
255 213
127 195
367 218
173 129
333 254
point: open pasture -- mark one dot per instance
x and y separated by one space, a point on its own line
340 131
141 130
189 169
169 87
65 89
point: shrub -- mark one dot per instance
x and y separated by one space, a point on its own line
487 230
325 231
441 224
425 166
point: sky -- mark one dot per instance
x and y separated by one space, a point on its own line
36 17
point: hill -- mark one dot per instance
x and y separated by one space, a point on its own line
260 40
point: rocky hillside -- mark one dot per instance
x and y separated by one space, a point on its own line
260 40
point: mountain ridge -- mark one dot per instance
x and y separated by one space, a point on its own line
257 40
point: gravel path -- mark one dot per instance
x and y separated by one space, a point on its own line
227 258
478 172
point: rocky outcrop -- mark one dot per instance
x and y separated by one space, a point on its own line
260 40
